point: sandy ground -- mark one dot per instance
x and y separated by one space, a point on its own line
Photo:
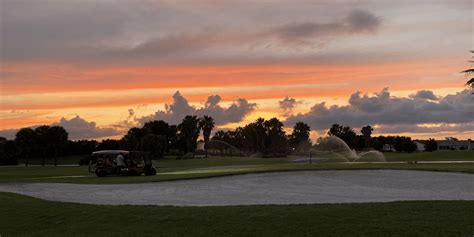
352 186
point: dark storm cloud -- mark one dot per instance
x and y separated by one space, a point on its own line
458 128
386 110
357 21
152 31
287 36
180 107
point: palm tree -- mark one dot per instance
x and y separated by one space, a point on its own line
189 132
206 123
367 132
299 138
470 72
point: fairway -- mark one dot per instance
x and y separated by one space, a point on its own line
45 218
172 169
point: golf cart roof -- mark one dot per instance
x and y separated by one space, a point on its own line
110 152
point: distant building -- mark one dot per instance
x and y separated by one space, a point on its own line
420 146
455 145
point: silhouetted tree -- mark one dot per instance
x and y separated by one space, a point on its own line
172 136
404 144
367 133
9 152
206 123
299 138
157 127
254 136
188 133
346 133
109 144
26 140
219 135
131 140
277 143
42 141
81 147
57 138
431 145
155 144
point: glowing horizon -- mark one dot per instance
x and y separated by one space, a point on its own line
114 63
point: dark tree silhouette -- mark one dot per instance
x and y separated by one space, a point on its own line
299 138
57 138
367 133
188 133
206 123
161 128
157 127
404 144
109 144
277 142
9 152
131 140
42 141
253 136
26 140
431 145
155 144
346 133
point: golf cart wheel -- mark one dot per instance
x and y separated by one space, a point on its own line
100 173
151 171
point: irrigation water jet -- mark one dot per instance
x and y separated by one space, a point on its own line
336 150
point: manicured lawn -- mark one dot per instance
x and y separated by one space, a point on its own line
171 161
63 160
431 156
25 216
172 169
169 171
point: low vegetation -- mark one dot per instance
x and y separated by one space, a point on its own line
44 218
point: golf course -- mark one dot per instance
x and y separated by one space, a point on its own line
243 196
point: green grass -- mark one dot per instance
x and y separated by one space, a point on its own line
172 169
25 216
63 160
431 156
170 172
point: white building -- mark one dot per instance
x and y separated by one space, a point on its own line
455 145
420 146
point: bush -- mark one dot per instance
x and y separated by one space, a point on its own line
8 153
431 145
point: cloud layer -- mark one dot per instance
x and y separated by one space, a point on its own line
287 105
180 107
396 114
77 128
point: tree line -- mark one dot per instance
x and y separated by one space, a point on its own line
268 137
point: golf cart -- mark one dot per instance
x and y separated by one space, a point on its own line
121 163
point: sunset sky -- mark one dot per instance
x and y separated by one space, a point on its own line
100 67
